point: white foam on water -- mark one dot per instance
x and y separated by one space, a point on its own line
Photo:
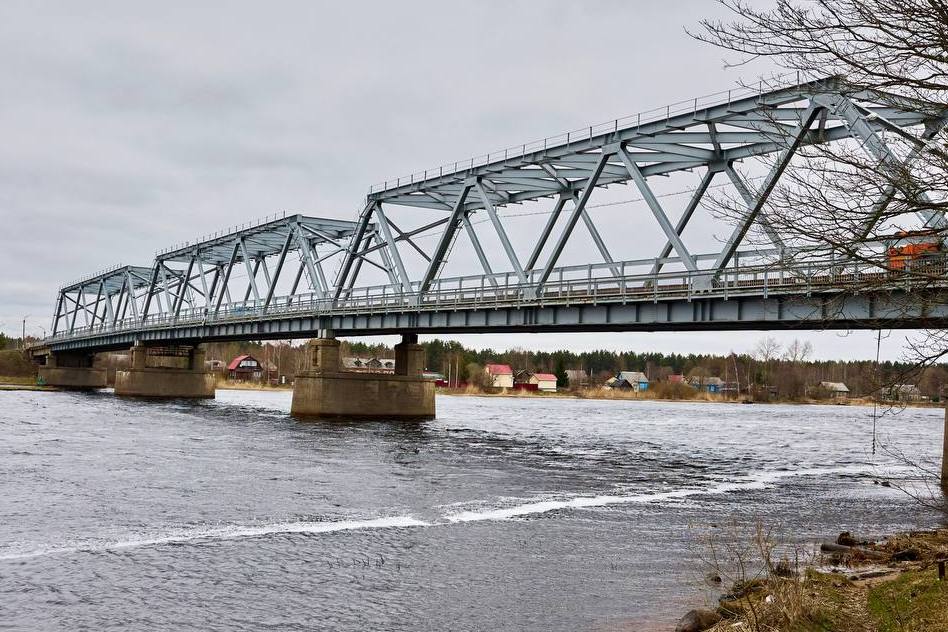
229 533
760 480
757 481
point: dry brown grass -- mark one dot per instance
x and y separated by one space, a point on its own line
251 386
789 596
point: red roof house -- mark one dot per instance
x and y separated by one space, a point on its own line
544 381
500 375
245 367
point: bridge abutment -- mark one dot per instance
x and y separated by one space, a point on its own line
325 390
71 370
166 372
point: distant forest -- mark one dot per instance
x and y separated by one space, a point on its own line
787 372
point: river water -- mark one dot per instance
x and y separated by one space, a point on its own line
503 514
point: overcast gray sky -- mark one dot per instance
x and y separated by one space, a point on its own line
130 126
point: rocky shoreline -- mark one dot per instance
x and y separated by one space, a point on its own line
851 585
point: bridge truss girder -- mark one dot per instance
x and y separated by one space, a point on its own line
710 138
233 271
102 299
216 279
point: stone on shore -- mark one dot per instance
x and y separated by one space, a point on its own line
698 620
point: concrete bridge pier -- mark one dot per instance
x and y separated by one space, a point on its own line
71 370
166 372
326 390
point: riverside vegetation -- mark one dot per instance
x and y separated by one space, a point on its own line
766 372
887 586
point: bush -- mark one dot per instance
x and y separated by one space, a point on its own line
15 364
672 390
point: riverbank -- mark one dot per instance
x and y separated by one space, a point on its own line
695 397
253 386
680 395
888 586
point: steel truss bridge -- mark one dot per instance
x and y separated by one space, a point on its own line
294 276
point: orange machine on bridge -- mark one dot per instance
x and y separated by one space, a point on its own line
908 247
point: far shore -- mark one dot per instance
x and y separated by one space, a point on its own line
607 394
23 383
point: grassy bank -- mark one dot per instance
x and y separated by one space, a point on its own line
891 586
252 386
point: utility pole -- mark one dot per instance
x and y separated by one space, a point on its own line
23 334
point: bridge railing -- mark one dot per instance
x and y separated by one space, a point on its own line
567 286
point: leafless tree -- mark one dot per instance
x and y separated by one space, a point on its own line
798 351
839 199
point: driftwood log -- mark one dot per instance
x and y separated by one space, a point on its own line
828 547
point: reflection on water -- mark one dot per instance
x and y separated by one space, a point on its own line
545 514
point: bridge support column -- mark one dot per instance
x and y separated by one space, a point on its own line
325 390
166 372
71 370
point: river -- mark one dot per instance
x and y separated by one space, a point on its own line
503 514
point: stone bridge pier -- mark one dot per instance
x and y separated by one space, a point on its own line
166 372
326 390
71 370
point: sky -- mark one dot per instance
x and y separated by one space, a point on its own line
128 127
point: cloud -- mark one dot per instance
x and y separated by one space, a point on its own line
129 127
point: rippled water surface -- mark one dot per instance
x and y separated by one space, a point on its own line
503 514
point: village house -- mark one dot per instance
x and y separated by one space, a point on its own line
905 393
629 380
245 368
369 365
707 384
577 378
499 375
544 381
836 390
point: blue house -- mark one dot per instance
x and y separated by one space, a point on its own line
708 384
632 380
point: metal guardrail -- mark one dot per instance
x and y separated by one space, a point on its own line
476 292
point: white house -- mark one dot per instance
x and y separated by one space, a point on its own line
499 375
544 381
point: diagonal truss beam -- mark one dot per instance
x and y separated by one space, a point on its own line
783 160
224 282
392 247
478 249
279 267
873 143
685 218
573 218
547 229
501 233
355 242
657 210
750 200
307 260
447 238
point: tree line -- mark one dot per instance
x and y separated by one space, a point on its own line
768 369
